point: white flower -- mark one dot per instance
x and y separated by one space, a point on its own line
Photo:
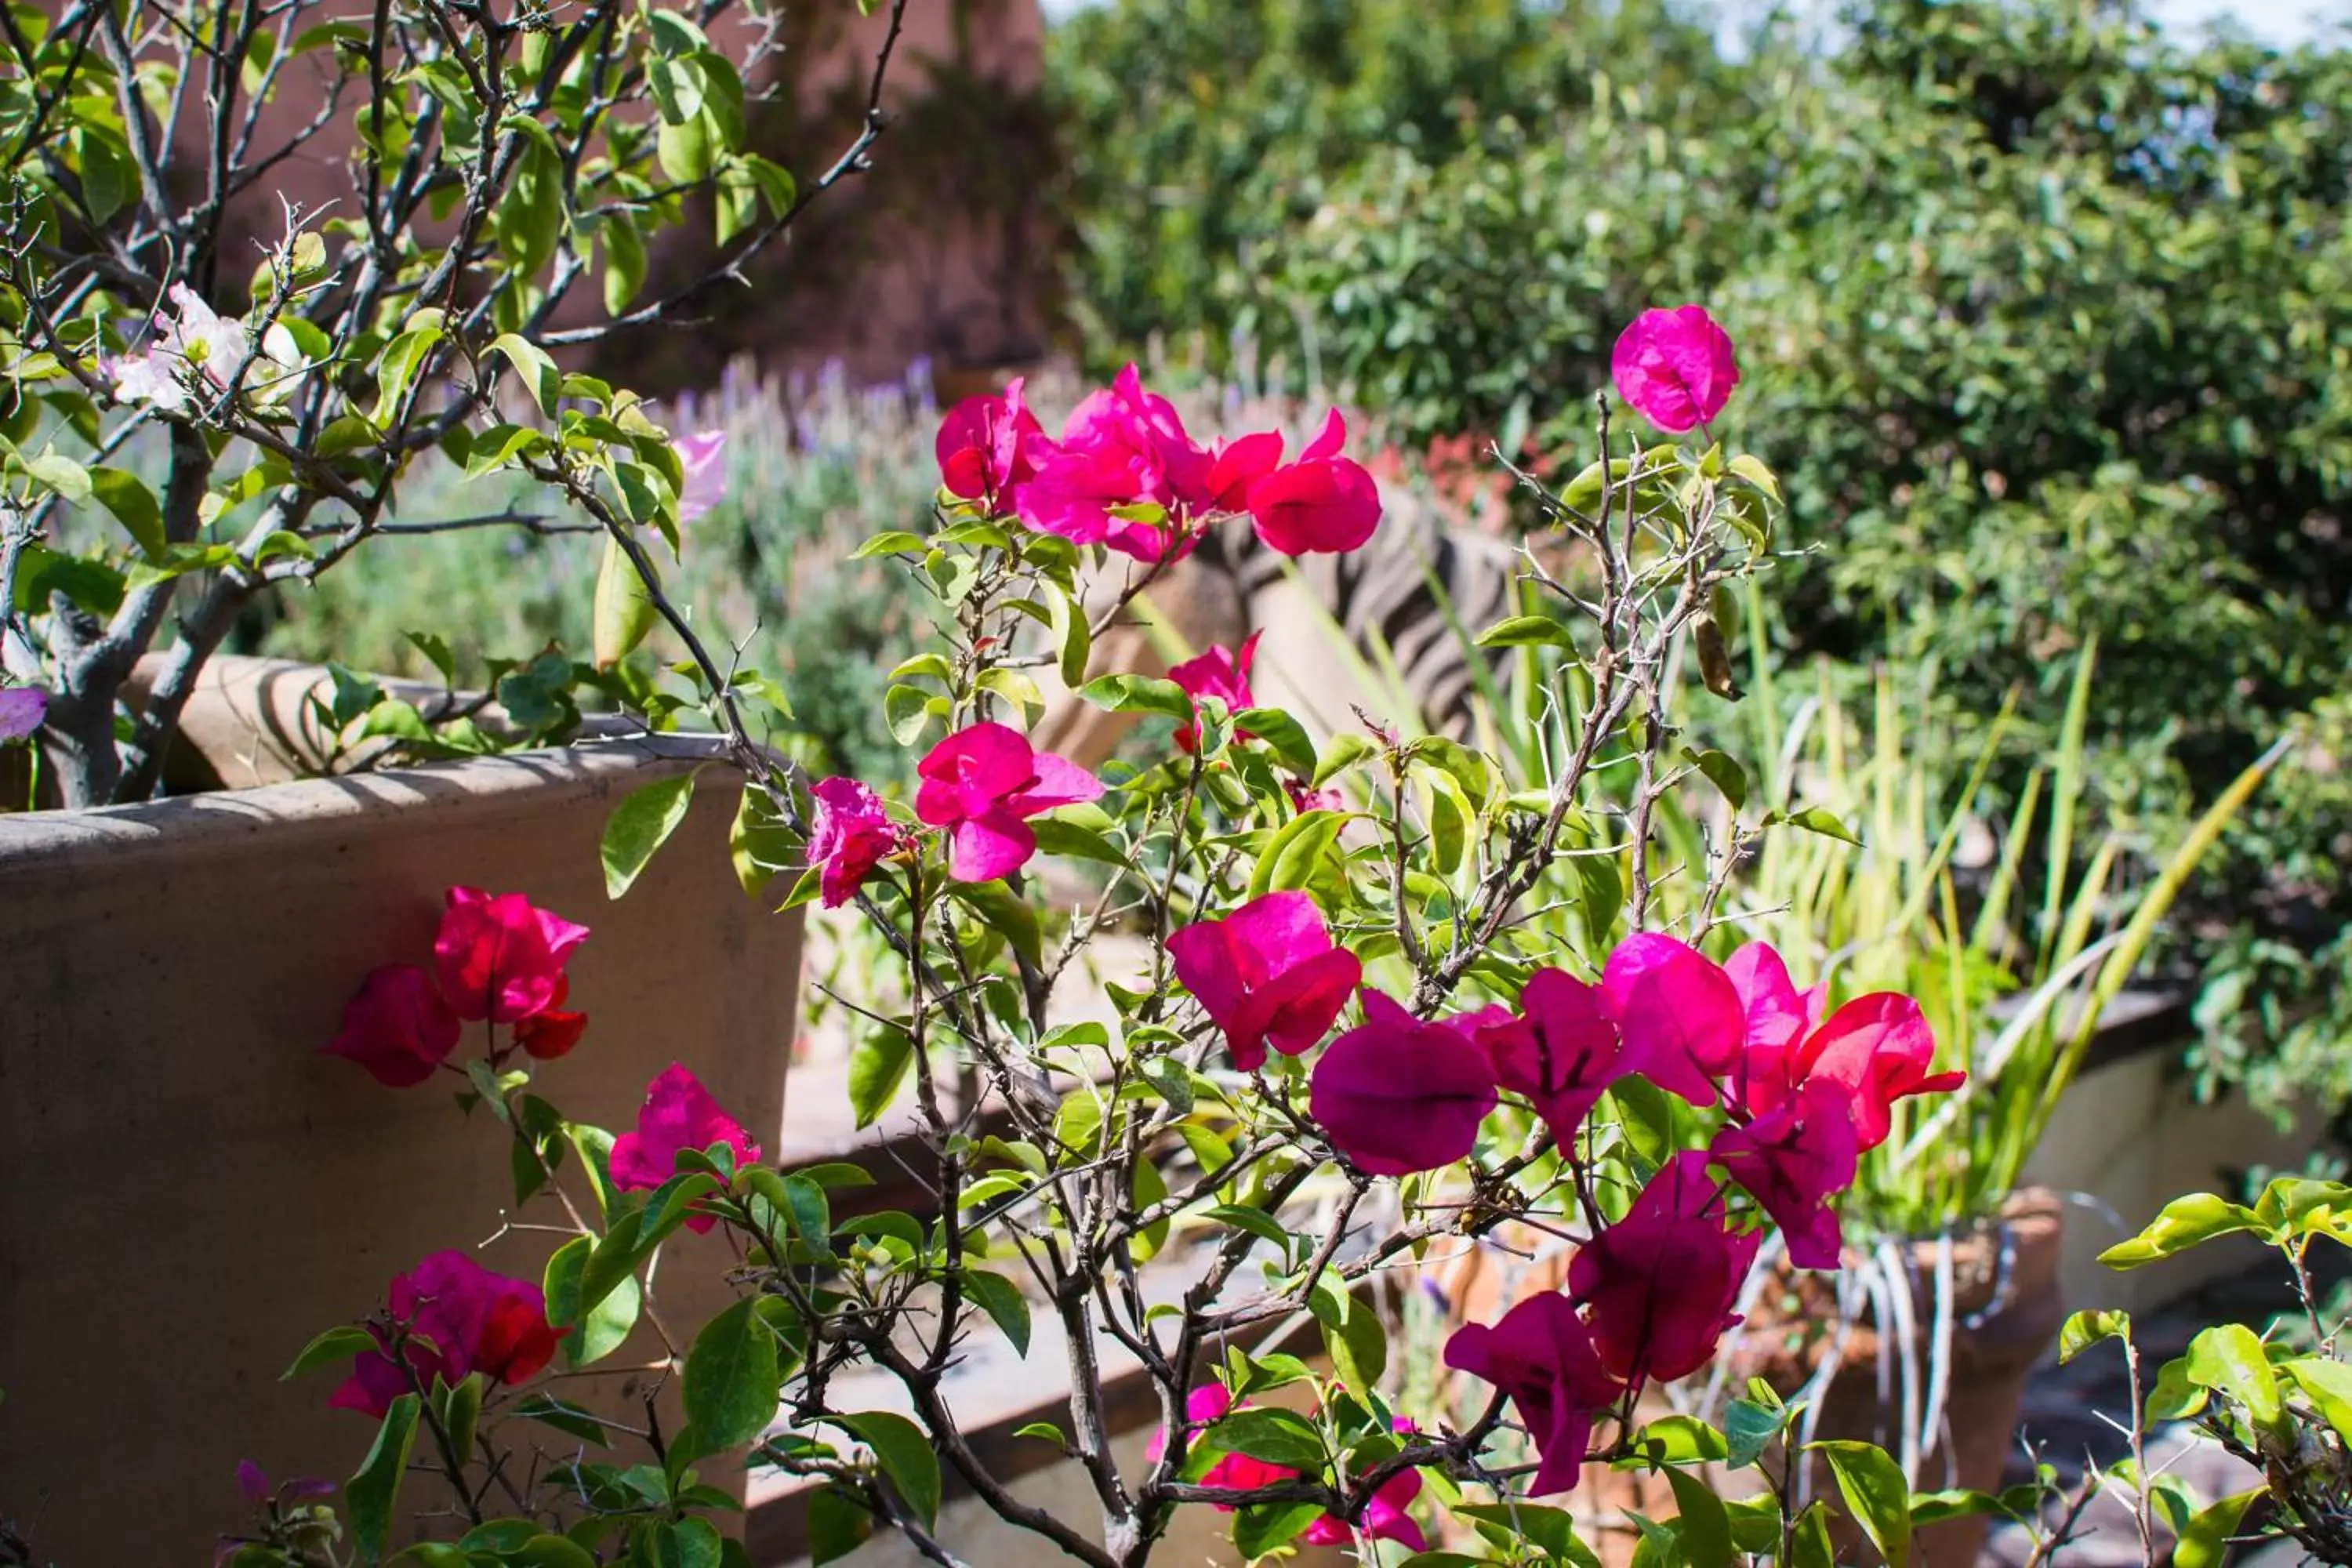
214 345
146 378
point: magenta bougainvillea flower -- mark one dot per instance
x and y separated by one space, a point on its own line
552 1032
258 1490
1223 675
501 958
1120 447
396 1026
849 835
22 709
1680 1017
1675 368
1875 1049
703 457
1385 1518
1541 1354
984 445
979 783
1561 1049
1203 1406
1305 797
1658 1286
1267 975
1236 466
1792 1160
678 1113
1323 503
461 1319
1398 1095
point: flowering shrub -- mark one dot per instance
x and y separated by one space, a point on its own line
1340 1047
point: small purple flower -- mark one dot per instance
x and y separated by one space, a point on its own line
22 708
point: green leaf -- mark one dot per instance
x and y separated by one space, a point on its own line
2205 1542
569 1419
2086 1328
1726 775
535 365
398 364
1527 631
1823 821
1678 1440
2229 1359
2185 1222
1705 1527
462 1415
1069 840
1748 1430
1046 1431
641 825
896 541
1358 1344
2329 1385
1341 753
335 1345
1295 851
879 1067
731 1375
2174 1397
1139 694
1935 1508
1259 1528
71 481
906 1456
134 506
1014 919
838 1525
602 1330
1283 734
1277 1437
1553 1529
1876 1495
370 1496
1001 1300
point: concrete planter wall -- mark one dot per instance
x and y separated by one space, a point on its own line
193 1191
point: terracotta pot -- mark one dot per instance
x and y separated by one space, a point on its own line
2007 1308
193 1192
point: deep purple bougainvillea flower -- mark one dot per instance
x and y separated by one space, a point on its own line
984 446
1397 1095
1792 1160
1266 974
552 1032
461 1319
980 783
849 835
1323 503
1561 1050
1679 1015
1658 1286
1675 368
703 457
678 1113
501 958
22 709
1541 1354
1219 674
396 1026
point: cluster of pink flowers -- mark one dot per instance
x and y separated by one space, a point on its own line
456 1318
1648 1297
1124 451
1385 1518
499 959
495 958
